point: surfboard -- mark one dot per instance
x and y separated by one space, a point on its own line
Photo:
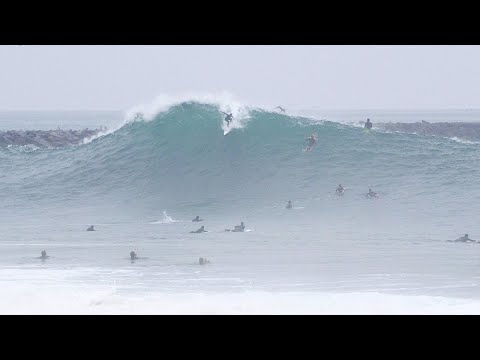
227 129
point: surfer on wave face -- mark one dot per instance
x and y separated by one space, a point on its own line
312 140
368 124
228 118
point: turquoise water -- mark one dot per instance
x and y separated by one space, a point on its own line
142 183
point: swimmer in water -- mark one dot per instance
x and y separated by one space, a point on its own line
464 238
90 228
340 190
197 219
228 118
44 255
133 255
201 230
371 194
289 205
203 261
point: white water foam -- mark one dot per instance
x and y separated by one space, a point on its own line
29 299
165 220
462 141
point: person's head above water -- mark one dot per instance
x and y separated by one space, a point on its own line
466 236
368 120
133 255
44 253
203 227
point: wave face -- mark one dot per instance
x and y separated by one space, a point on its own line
181 157
176 159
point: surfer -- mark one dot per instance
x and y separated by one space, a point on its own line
197 219
464 238
238 228
280 108
133 255
201 230
228 118
368 125
340 190
371 194
312 140
203 261
289 205
90 228
44 255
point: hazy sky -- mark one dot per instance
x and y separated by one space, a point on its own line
328 77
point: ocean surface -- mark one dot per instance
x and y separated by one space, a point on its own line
142 181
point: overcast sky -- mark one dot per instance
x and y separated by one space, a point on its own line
327 77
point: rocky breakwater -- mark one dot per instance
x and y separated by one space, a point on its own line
46 138
464 131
